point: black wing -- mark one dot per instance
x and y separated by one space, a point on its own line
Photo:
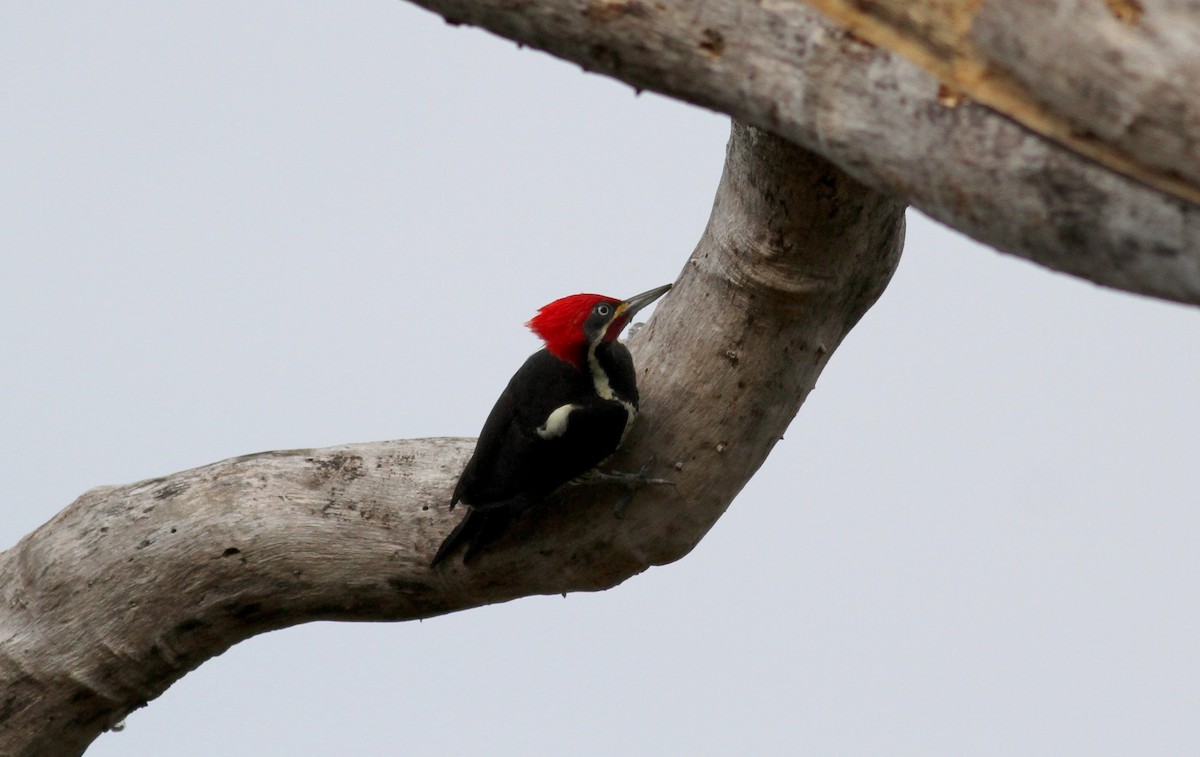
513 467
505 461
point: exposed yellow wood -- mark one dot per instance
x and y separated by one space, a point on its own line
1126 11
936 35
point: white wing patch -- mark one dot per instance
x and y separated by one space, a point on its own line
556 424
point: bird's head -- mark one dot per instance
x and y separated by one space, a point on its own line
570 325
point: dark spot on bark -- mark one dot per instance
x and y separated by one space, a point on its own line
6 709
605 57
949 96
172 530
1126 11
145 543
347 467
231 551
1084 134
1063 195
191 624
603 11
170 490
857 39
261 618
405 586
248 610
712 42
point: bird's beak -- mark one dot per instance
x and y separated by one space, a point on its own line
630 306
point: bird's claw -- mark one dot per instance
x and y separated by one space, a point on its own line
632 481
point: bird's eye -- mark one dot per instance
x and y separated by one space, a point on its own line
603 309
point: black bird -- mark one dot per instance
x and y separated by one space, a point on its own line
563 413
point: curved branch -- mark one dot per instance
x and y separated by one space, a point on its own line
891 124
130 587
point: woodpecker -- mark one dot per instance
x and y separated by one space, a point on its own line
563 413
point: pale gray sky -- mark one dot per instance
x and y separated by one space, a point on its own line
230 227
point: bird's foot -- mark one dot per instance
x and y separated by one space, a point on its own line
632 482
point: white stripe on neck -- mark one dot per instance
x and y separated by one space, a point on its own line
604 388
599 375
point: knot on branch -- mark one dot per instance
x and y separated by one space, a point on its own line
790 221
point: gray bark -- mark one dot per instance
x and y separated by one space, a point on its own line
1128 80
1083 162
131 587
1110 194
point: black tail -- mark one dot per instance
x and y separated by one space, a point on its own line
477 529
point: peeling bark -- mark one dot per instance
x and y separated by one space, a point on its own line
1110 81
970 110
131 587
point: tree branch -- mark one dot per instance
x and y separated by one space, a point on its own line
1131 223
1111 80
131 587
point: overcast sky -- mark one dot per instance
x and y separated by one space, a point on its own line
232 227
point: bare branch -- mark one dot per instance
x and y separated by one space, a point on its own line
130 587
1111 81
893 125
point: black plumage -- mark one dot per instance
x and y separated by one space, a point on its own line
514 466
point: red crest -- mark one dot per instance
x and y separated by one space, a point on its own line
560 325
